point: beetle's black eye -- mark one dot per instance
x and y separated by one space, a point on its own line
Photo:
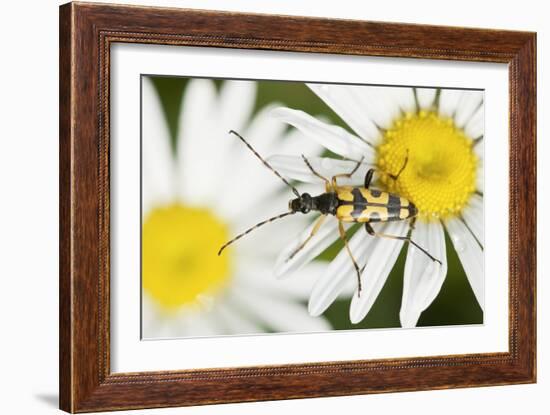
306 203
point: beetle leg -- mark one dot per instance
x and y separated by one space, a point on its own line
314 230
368 178
357 269
348 175
370 173
327 182
396 176
408 239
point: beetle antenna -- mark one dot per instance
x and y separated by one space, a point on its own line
294 190
282 215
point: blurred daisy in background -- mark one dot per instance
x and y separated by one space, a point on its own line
441 130
200 194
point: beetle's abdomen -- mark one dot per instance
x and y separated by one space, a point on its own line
358 204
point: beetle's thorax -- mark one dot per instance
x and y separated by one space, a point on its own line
325 203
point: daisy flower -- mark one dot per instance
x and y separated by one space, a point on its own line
440 131
194 198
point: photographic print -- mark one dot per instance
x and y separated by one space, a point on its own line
306 195
279 207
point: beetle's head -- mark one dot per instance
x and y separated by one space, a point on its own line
301 204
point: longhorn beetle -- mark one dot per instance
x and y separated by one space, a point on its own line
351 204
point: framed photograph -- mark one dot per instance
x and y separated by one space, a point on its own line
260 207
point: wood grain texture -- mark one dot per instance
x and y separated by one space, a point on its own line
65 246
86 33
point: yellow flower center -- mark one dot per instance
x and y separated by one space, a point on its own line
440 175
179 255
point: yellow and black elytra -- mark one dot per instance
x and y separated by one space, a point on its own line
351 204
360 204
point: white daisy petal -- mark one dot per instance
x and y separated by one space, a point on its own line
426 97
324 237
149 317
468 104
351 102
158 162
273 205
295 142
448 101
235 322
149 198
340 272
197 324
404 97
199 108
227 117
332 137
264 134
236 102
480 181
264 131
479 148
253 245
278 231
347 102
423 278
470 254
480 176
279 314
476 125
258 274
473 215
381 104
295 168
379 264
159 328
231 206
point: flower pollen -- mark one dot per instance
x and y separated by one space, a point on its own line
440 174
180 262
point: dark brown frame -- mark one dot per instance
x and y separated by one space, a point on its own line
86 33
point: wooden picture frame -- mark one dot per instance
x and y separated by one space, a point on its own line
86 33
